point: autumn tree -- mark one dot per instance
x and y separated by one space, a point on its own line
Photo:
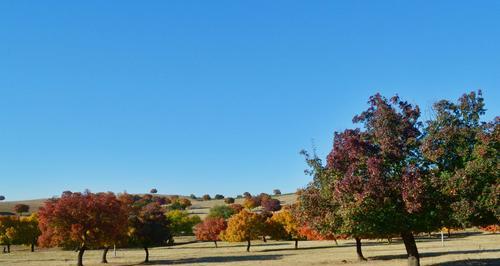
236 207
244 226
210 229
180 204
380 186
251 202
462 152
26 231
21 208
181 223
270 204
149 227
84 220
285 226
7 231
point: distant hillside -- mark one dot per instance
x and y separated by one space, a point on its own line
199 207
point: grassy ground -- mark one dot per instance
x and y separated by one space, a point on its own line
473 248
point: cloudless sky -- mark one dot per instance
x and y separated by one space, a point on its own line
216 96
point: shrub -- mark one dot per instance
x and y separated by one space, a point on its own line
229 200
218 196
21 208
206 197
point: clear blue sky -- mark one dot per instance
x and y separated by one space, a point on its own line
216 96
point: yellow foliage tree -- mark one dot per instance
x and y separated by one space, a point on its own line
283 226
26 231
244 226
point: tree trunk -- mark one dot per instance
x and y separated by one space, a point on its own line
358 249
147 254
248 245
411 249
80 256
32 247
8 248
449 233
335 239
296 243
104 255
264 239
215 242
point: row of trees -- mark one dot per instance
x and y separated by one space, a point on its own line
398 176
17 230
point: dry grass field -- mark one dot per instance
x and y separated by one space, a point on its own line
472 248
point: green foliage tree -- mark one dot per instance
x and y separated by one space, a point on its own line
181 223
221 211
26 231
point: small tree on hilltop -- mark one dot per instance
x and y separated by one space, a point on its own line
229 200
150 227
2 198
206 197
218 196
221 211
277 192
153 191
244 226
247 195
210 229
86 220
21 208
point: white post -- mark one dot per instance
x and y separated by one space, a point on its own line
442 238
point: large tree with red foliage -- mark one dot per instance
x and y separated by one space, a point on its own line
210 229
82 220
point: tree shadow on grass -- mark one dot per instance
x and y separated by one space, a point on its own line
235 246
433 254
482 262
221 259
298 249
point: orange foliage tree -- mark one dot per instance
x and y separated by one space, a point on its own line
284 226
210 229
244 226
83 220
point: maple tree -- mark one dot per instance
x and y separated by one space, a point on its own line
84 220
210 229
244 226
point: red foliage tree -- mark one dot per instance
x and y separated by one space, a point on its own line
84 220
210 229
